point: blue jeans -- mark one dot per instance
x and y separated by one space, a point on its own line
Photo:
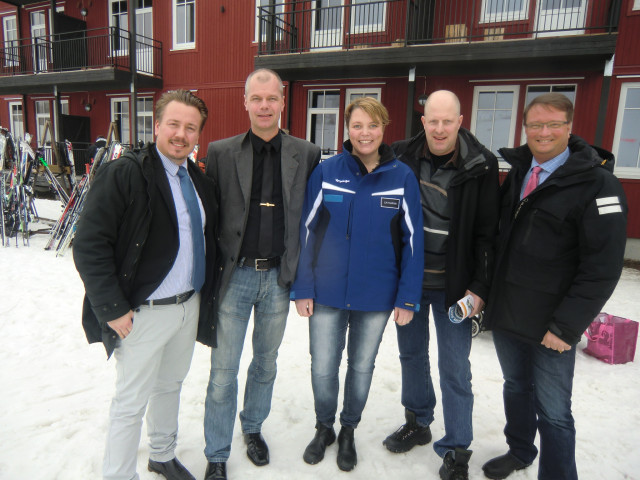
454 347
537 396
248 290
327 335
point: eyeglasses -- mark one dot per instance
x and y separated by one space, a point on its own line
550 125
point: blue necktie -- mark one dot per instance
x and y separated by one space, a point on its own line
189 194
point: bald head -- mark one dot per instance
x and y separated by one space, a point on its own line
443 99
441 121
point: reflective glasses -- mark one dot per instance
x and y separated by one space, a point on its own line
535 127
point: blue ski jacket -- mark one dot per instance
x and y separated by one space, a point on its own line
361 236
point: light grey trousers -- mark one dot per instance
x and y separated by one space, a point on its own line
151 364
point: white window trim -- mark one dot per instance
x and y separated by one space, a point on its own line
322 111
11 120
636 5
514 111
348 93
523 14
115 100
186 45
279 11
38 117
125 49
147 114
373 27
623 172
12 62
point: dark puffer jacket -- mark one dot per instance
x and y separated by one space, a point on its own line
560 249
473 200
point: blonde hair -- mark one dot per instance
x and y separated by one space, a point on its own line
371 107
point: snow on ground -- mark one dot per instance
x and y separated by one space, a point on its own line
57 390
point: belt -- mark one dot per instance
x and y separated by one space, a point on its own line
175 300
260 264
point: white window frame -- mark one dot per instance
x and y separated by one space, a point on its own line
515 89
323 111
183 45
279 12
11 43
360 92
624 172
41 119
123 48
123 128
522 14
636 5
372 27
145 115
17 124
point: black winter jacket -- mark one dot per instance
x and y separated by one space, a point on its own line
560 249
473 199
127 241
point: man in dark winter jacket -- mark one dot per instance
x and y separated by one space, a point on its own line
148 220
560 254
459 192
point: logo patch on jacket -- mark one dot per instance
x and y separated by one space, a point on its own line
329 197
386 202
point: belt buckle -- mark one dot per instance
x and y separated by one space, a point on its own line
181 297
261 260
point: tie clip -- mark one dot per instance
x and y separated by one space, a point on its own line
267 204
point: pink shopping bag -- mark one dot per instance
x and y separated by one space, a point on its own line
612 339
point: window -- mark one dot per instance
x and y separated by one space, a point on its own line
145 119
119 19
39 36
322 120
636 5
367 16
120 115
493 120
352 94
43 117
184 24
626 142
11 49
64 107
17 120
504 10
272 21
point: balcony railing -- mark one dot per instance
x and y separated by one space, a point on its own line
82 50
288 27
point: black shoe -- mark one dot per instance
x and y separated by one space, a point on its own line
257 449
325 436
455 465
408 435
216 471
503 466
171 470
347 456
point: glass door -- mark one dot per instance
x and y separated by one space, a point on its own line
560 17
327 24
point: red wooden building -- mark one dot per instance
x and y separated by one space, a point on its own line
494 55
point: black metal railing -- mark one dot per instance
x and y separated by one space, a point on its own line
87 49
289 27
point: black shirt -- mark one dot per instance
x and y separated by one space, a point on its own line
250 247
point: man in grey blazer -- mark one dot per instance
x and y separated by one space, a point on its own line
262 176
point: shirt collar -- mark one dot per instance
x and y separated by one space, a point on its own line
169 166
258 143
552 165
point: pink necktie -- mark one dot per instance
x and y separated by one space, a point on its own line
533 181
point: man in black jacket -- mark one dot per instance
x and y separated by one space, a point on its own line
140 250
560 254
459 188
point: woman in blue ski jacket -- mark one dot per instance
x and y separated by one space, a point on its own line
361 260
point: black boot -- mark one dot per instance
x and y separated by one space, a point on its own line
408 435
325 436
455 465
347 456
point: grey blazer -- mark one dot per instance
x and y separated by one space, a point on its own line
230 163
